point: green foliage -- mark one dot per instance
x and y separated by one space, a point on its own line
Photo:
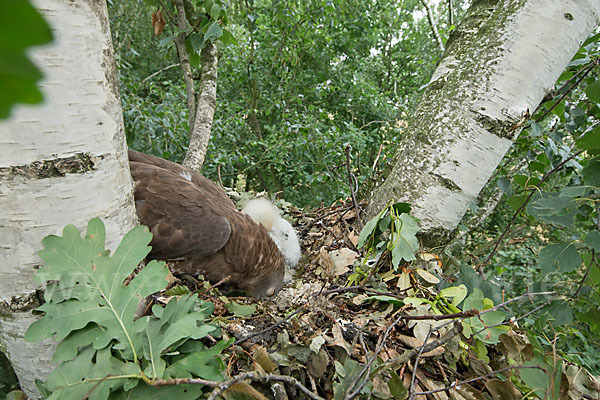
392 229
104 350
302 80
21 27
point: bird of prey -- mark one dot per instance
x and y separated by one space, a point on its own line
197 229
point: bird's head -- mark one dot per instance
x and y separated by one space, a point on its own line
265 286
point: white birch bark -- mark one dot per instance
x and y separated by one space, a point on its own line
503 59
62 162
205 108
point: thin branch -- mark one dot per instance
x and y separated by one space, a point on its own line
270 328
585 275
478 378
376 159
414 374
522 207
434 30
557 102
268 377
159 71
351 181
184 60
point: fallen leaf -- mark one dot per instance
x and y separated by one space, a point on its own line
262 357
338 338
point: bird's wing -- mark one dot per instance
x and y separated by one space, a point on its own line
186 220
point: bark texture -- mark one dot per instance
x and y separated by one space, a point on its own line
62 162
205 108
499 64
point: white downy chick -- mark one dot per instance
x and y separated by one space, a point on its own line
262 211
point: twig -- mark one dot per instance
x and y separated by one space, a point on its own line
376 159
370 361
454 385
311 223
414 374
522 207
516 319
426 347
365 289
222 281
373 122
557 102
270 328
219 176
464 314
434 30
159 71
351 181
222 386
585 275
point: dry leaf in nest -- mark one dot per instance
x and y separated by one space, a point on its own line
336 262
353 237
338 338
262 358
349 215
504 390
244 388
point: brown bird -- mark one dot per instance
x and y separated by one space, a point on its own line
197 229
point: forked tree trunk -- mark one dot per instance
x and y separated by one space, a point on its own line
499 64
62 162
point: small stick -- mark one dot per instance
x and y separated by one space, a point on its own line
351 180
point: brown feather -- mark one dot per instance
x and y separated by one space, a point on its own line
197 229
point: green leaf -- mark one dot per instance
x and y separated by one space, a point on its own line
457 293
397 388
591 172
106 301
369 228
483 322
177 291
561 312
87 376
559 257
228 38
242 310
214 31
593 92
516 201
21 27
590 141
405 243
540 382
203 363
592 240
554 208
505 186
215 11
173 323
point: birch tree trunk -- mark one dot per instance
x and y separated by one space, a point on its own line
63 162
205 108
499 64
